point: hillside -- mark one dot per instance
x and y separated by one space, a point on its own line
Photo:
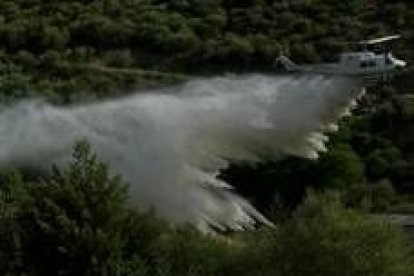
38 38
70 52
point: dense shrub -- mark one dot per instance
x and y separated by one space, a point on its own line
324 238
76 222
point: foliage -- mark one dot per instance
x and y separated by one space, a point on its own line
323 238
282 185
76 221
182 34
72 223
12 197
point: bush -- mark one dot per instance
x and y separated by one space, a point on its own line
76 223
50 59
324 238
118 58
383 196
12 195
73 222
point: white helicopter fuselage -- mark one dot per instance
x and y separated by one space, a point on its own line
367 65
360 63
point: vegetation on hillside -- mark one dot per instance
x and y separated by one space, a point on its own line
46 44
76 222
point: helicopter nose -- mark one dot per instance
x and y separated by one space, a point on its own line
400 63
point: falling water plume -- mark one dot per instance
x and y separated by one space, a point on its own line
170 145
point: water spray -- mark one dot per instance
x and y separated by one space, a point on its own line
170 145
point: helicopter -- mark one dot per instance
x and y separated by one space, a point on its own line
368 65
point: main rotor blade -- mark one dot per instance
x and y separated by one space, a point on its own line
379 40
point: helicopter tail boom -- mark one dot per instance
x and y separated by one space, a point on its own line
286 63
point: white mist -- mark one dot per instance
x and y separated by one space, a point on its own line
171 145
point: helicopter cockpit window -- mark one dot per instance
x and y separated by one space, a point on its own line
388 60
368 63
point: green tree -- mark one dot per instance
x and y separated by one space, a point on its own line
53 38
118 58
324 238
340 168
13 193
49 60
382 195
73 222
